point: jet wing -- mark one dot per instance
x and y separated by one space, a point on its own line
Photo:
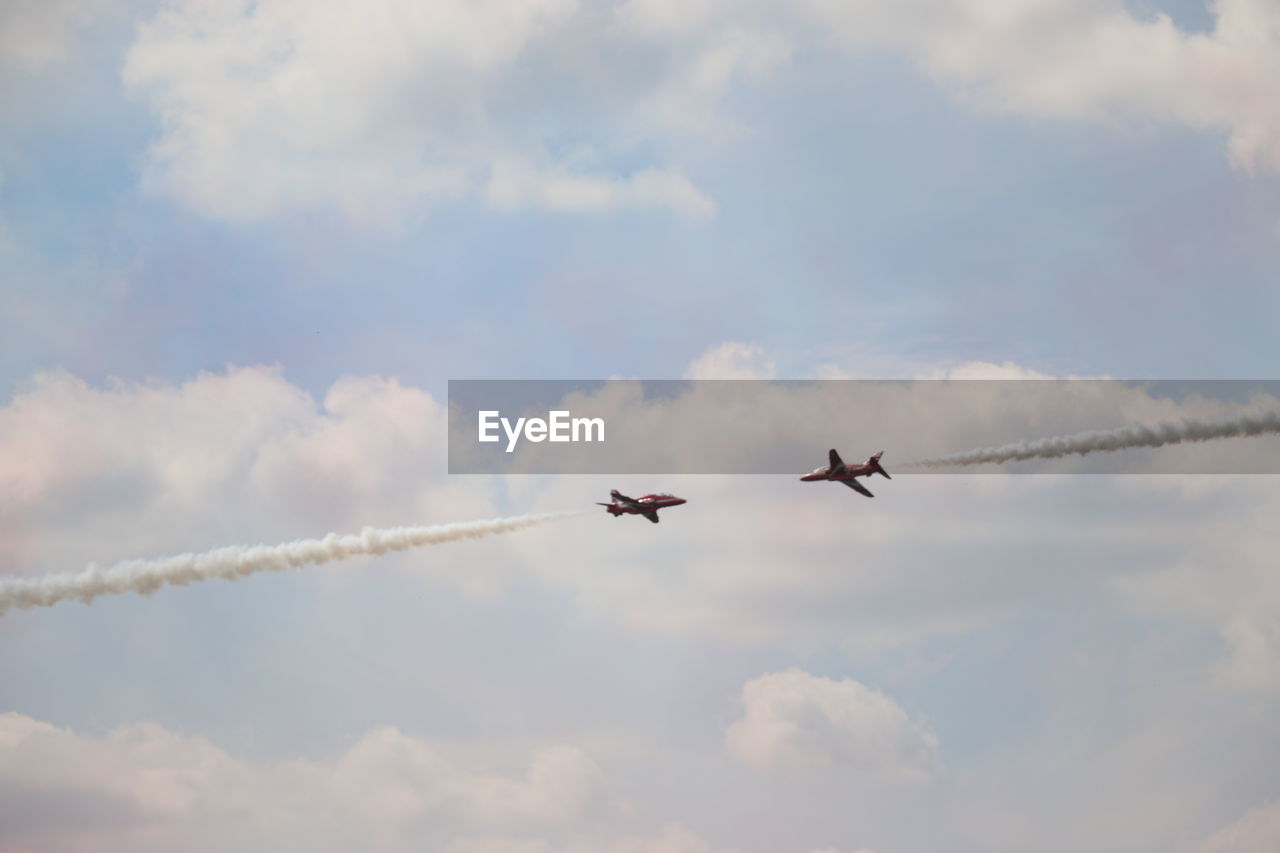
858 487
652 515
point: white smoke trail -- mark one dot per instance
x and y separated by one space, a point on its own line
1112 439
238 561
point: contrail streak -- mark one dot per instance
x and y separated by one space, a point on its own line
239 561
1112 439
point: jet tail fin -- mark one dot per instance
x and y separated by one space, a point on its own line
874 462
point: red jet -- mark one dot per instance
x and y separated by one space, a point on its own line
647 506
847 474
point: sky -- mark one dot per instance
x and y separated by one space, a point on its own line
245 245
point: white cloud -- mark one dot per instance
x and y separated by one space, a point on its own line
797 720
1092 61
672 17
671 839
1226 579
732 360
134 470
282 105
984 370
1257 831
143 787
382 110
137 470
513 186
38 34
764 559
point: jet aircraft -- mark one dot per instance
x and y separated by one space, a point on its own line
647 506
848 474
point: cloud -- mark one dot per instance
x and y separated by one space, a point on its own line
1225 579
971 370
135 470
750 567
513 186
383 111
1093 61
671 839
931 556
100 474
35 36
669 18
1257 831
144 787
709 427
797 720
732 360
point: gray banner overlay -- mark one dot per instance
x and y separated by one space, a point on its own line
623 426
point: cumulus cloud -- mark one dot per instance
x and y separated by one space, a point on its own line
732 360
133 470
671 839
383 110
1093 61
971 370
129 470
514 185
935 555
144 787
37 35
762 427
796 720
1226 580
1257 831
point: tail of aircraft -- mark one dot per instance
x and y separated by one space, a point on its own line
613 508
874 462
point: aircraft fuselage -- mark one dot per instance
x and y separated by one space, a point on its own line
647 506
839 472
